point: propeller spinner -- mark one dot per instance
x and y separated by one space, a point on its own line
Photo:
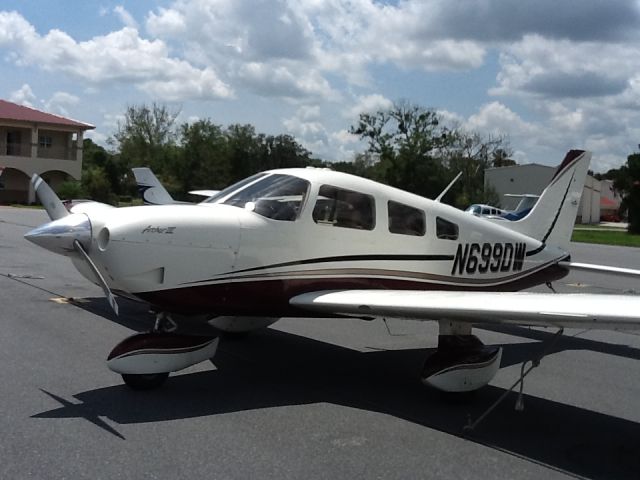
66 234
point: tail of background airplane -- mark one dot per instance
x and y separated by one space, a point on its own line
150 188
552 218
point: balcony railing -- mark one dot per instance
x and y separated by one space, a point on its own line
57 152
16 149
24 150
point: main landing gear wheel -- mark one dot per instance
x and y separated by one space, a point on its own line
147 381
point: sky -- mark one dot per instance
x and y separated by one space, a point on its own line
550 75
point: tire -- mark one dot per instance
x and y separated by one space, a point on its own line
144 381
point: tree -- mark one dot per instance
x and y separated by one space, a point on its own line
146 136
501 158
244 151
203 160
415 151
630 184
282 151
97 186
362 165
70 189
626 181
95 155
472 154
407 140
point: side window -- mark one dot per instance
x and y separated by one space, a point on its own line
344 208
446 229
406 220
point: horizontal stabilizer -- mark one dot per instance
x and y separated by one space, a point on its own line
589 267
204 193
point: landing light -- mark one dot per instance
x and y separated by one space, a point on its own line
103 239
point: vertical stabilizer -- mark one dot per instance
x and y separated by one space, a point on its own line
552 218
150 188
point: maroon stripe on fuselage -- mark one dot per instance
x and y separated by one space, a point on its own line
270 298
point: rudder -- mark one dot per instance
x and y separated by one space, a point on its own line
552 218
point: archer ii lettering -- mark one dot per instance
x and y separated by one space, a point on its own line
165 230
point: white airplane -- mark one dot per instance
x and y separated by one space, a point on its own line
317 243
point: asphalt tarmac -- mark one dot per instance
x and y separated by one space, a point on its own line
304 398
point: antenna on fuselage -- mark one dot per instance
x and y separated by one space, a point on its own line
439 197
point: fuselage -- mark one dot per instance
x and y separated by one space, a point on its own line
285 232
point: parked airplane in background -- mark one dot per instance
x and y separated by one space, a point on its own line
526 203
316 243
483 210
154 193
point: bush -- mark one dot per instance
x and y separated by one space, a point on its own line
70 189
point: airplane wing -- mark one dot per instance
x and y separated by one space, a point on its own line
204 193
589 311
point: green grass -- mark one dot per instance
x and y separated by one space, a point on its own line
20 205
605 228
606 237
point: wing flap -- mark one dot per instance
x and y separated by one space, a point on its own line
590 311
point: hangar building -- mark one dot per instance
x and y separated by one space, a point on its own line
32 141
598 197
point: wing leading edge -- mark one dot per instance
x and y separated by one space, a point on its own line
590 311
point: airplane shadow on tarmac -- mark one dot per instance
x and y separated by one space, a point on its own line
270 368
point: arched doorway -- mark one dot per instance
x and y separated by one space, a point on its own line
14 186
55 178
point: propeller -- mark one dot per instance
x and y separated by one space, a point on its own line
48 198
105 288
65 233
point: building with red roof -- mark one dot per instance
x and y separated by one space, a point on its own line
32 141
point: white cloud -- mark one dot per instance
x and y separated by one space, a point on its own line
97 137
23 96
125 17
284 81
306 125
497 119
166 22
60 102
545 67
120 56
188 83
367 104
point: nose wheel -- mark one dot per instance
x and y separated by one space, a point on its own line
144 360
144 381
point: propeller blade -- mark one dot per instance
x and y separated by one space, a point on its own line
48 198
105 288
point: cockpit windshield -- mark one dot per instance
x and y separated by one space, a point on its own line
232 188
276 196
